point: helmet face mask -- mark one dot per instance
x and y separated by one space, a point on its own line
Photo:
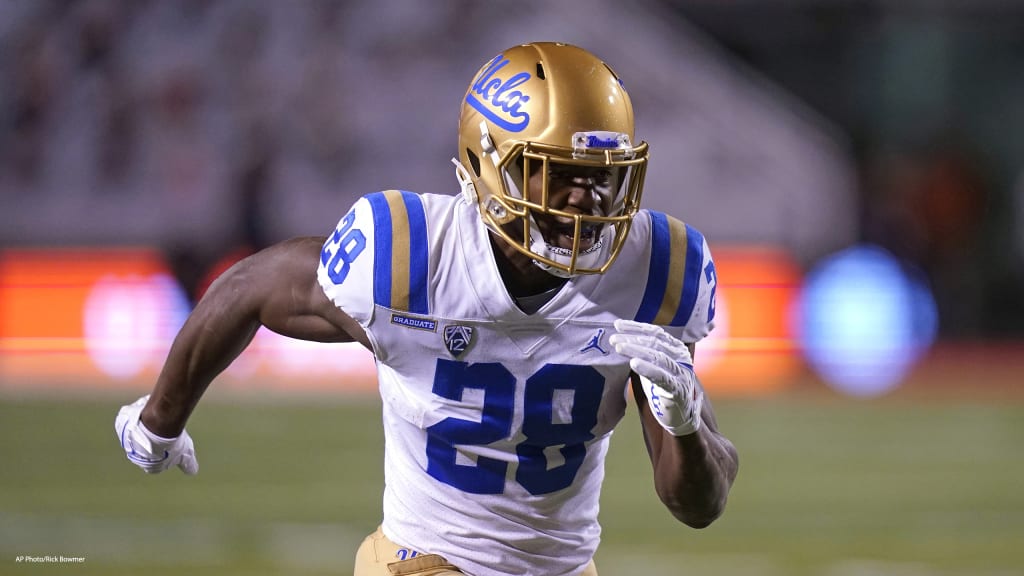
536 214
557 111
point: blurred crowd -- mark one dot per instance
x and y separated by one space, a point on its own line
120 98
201 126
213 128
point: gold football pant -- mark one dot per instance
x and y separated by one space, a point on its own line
378 556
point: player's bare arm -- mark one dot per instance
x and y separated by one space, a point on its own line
692 473
276 288
694 465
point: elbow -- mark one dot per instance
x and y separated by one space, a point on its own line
695 508
698 517
698 521
699 499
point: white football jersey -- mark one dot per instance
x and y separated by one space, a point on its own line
497 422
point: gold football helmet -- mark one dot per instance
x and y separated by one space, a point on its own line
551 107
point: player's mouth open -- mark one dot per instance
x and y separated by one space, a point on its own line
563 234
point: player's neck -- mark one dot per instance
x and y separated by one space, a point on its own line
521 276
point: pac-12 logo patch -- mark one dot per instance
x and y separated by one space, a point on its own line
458 339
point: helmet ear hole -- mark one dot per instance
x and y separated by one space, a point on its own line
474 162
540 70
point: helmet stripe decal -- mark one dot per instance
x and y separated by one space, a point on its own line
677 251
400 253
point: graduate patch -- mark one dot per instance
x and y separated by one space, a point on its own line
414 322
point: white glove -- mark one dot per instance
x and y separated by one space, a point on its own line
152 453
665 368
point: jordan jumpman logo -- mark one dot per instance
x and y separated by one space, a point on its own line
595 343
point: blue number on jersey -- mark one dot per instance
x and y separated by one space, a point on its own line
712 279
488 475
349 243
587 385
499 385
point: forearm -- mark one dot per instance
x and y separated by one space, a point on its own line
693 473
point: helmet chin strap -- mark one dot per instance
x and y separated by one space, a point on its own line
465 182
487 147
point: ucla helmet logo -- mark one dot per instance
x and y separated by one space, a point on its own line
497 98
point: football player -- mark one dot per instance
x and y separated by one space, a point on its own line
507 323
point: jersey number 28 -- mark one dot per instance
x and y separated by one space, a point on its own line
451 378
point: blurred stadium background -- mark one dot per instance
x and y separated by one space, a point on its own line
857 165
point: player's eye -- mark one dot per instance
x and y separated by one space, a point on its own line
602 178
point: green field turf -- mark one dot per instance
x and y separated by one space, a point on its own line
826 486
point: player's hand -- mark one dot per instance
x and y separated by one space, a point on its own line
148 451
665 368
